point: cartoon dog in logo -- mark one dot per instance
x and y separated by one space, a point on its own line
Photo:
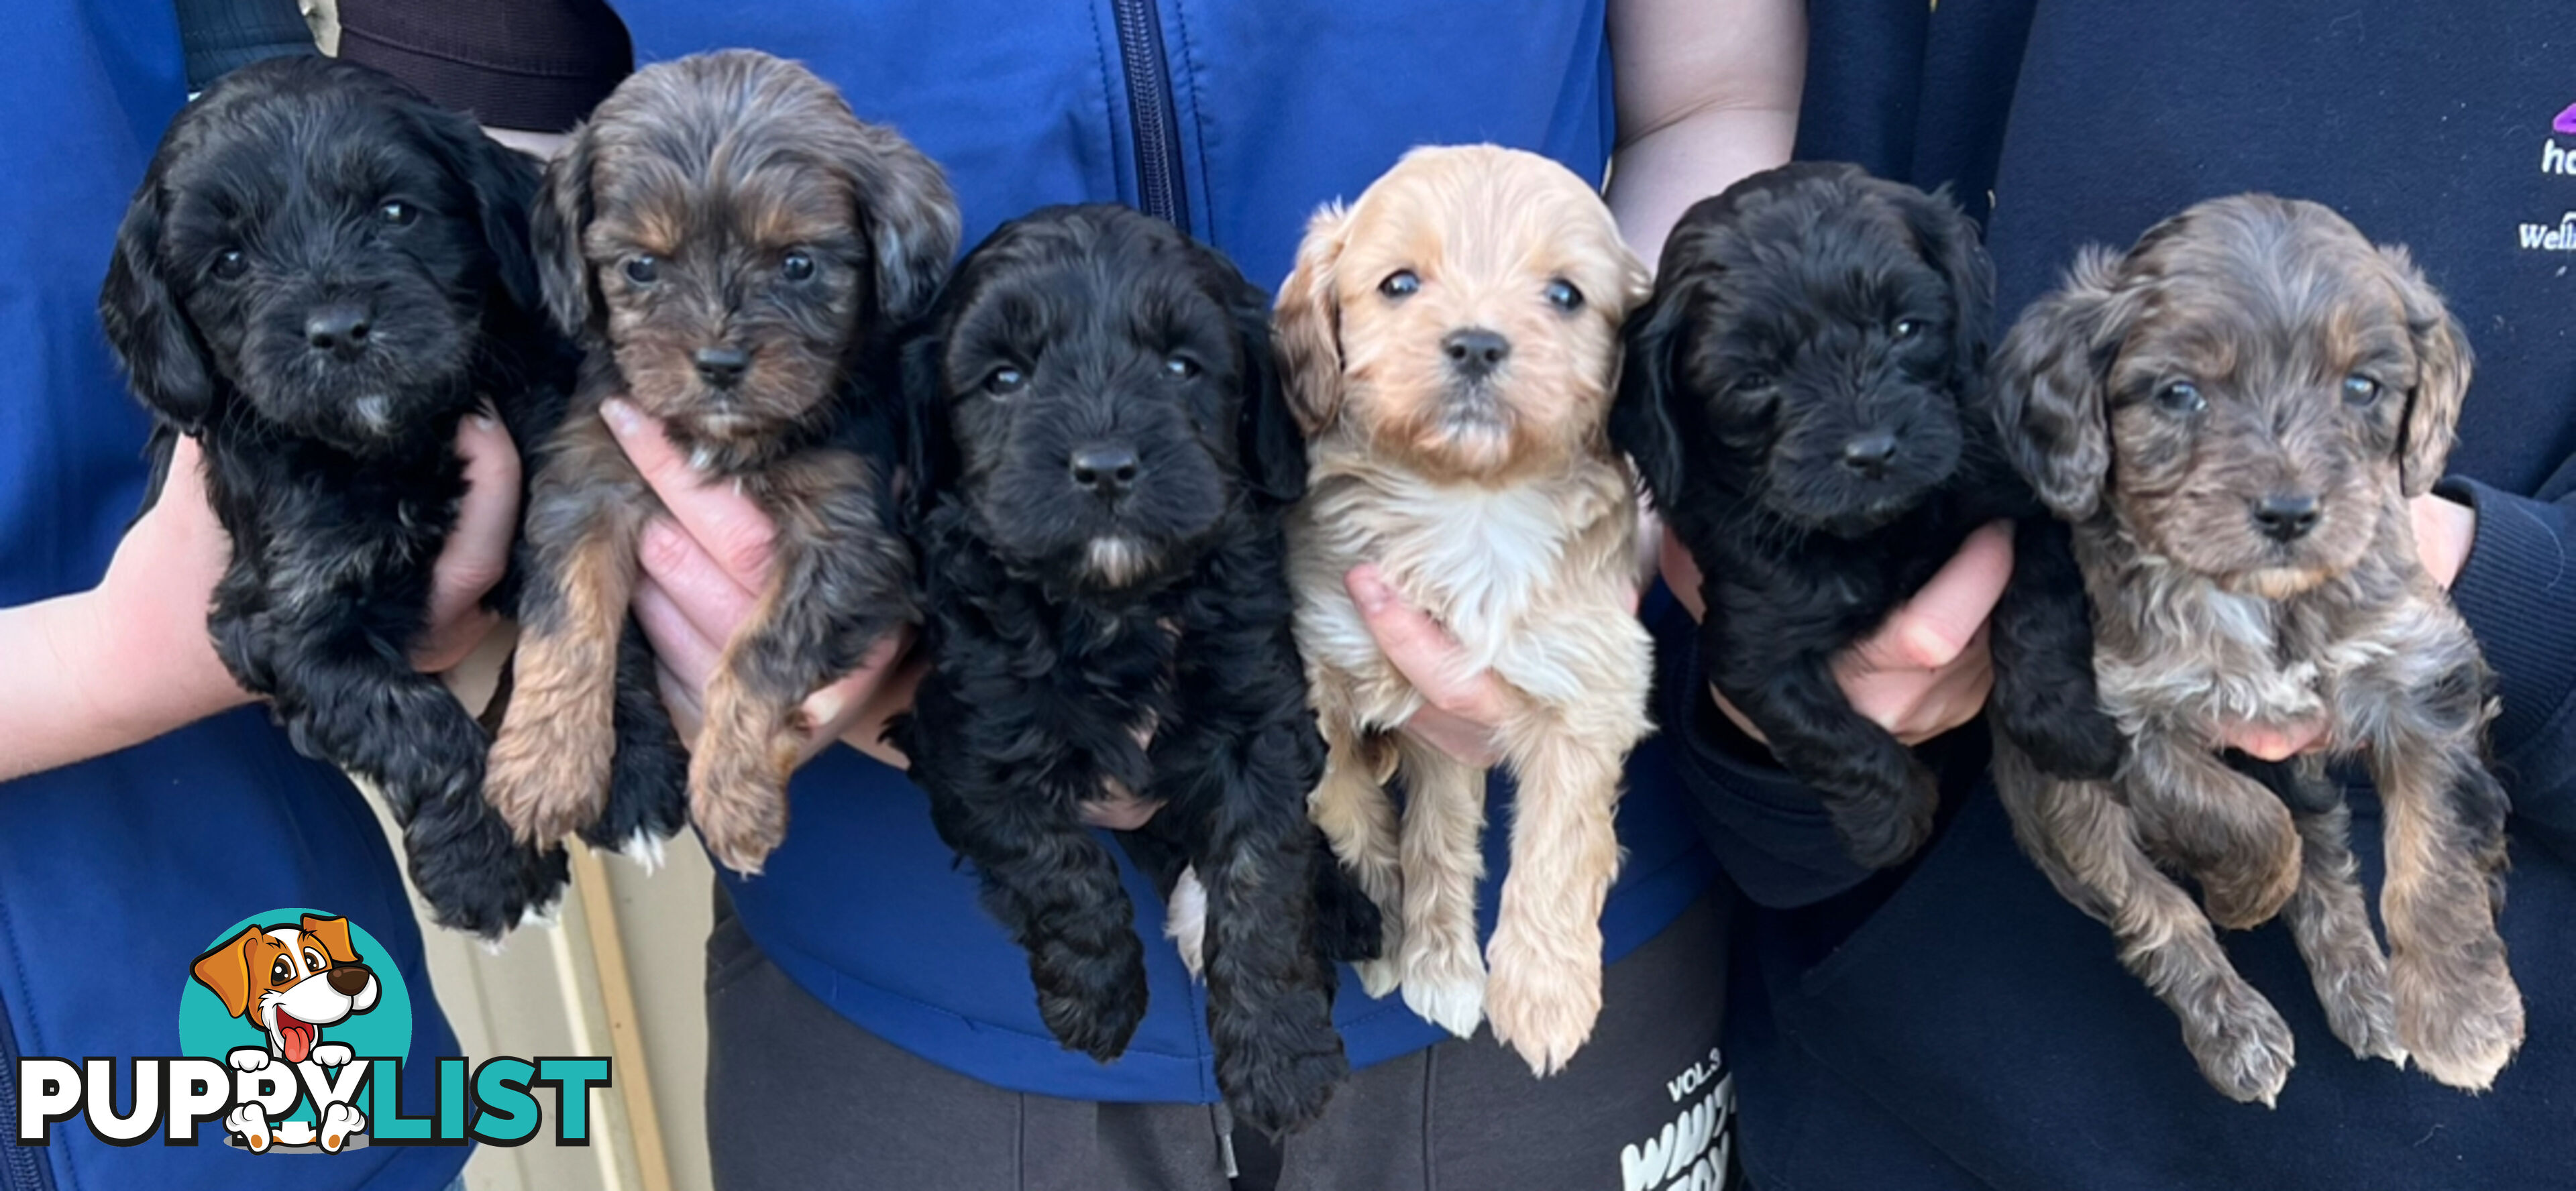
290 982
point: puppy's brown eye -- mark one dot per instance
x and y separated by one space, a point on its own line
1908 328
643 270
1752 384
1180 368
230 264
1400 284
398 213
1003 382
796 266
1562 295
313 960
2182 397
2360 390
279 973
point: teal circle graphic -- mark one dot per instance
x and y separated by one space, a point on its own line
384 1032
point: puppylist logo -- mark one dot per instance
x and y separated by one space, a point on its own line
295 1043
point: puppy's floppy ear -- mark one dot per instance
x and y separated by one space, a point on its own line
911 216
1269 448
561 214
504 182
225 971
162 355
1948 241
2443 363
333 934
2050 380
1644 419
1307 326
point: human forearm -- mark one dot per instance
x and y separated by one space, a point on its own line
1707 92
85 681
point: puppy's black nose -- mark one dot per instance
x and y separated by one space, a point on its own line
721 366
1104 470
348 979
340 328
1870 454
1475 351
2286 517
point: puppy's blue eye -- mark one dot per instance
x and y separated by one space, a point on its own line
1180 368
796 266
1908 328
398 213
1562 295
2360 390
230 264
1005 381
643 270
2182 397
1400 284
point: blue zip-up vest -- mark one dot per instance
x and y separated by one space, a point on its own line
1235 121
115 874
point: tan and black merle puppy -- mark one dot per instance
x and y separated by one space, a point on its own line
1105 461
734 249
320 275
1804 396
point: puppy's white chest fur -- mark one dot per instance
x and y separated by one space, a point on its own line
1510 572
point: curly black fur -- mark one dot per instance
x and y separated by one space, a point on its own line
1804 398
320 275
1093 376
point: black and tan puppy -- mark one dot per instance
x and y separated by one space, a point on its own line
734 249
2233 414
319 277
1105 463
1805 399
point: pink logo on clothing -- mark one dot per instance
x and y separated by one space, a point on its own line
2566 121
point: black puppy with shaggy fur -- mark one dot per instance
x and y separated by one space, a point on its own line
1804 396
1105 459
320 275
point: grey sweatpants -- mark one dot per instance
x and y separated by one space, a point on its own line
1644 1106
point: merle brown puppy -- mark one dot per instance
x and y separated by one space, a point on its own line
1104 463
1804 398
320 275
735 249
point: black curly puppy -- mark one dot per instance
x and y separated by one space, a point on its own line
1804 396
1103 462
320 275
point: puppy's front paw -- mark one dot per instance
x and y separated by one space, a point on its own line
339 1123
2359 1007
249 1123
738 799
1379 977
1543 1000
1444 983
2461 1025
2244 1048
1091 999
248 1058
332 1054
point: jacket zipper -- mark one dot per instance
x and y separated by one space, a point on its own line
22 1168
1156 128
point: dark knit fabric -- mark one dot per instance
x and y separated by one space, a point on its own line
220 35
539 65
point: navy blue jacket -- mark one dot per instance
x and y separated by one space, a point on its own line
116 874
1959 1025
1234 119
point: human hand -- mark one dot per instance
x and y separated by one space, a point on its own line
1926 670
704 567
1461 708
